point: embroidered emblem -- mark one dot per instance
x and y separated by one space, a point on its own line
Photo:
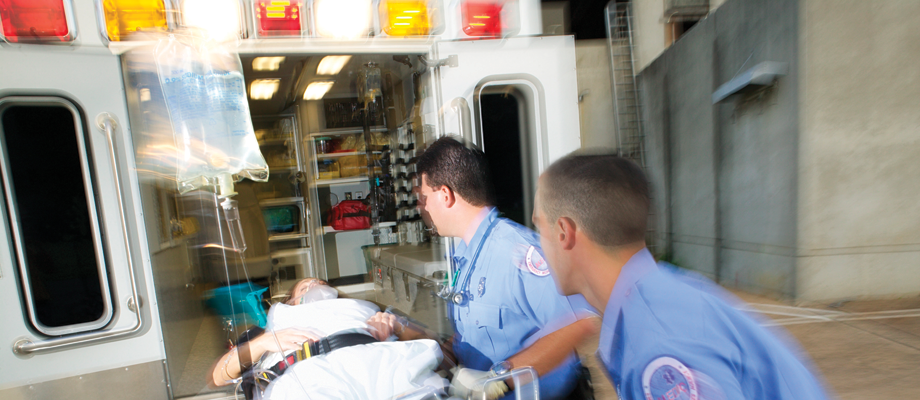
535 262
667 378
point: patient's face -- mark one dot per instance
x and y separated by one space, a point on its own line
303 287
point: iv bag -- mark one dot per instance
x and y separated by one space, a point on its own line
205 93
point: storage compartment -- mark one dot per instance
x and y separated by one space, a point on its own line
408 278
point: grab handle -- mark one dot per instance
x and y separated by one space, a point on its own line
106 122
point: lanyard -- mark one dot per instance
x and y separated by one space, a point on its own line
482 241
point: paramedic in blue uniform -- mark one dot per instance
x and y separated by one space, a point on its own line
665 334
505 310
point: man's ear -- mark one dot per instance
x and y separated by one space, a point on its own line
567 230
450 198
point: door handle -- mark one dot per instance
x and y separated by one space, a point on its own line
107 123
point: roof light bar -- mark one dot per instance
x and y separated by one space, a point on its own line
279 17
404 17
344 19
36 21
482 18
124 17
219 18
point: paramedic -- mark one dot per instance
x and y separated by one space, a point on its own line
505 310
665 333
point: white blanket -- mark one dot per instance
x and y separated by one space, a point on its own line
324 317
366 372
373 371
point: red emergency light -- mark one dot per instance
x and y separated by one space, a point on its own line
279 17
482 18
35 21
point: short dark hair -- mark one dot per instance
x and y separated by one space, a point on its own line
463 169
606 195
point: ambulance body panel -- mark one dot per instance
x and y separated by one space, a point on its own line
148 347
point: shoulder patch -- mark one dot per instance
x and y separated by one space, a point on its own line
667 378
535 262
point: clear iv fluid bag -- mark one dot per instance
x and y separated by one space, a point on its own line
205 95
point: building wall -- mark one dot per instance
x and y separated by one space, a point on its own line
650 29
595 103
725 176
859 224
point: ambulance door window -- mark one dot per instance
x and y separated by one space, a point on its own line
51 212
504 112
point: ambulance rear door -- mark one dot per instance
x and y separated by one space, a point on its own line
75 300
515 98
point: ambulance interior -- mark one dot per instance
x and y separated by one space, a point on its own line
308 118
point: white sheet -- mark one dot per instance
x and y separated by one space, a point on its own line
323 317
366 372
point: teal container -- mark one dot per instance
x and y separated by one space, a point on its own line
241 303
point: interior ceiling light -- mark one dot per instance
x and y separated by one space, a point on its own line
331 65
219 18
263 89
317 90
345 19
267 63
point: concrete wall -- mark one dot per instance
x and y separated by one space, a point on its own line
650 29
725 176
595 104
859 225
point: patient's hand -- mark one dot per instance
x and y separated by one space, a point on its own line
289 339
382 325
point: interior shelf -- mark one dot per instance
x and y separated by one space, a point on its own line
340 181
328 229
347 131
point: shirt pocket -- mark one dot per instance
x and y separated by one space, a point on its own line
486 319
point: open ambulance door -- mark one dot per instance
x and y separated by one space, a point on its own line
75 299
515 98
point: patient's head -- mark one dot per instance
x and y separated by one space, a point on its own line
309 290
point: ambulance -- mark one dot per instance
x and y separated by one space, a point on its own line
123 278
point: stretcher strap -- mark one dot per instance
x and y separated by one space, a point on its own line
322 346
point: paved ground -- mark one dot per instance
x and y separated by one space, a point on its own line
863 349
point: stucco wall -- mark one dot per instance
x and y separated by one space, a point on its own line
595 105
725 176
860 149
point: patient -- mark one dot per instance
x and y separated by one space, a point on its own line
312 321
287 335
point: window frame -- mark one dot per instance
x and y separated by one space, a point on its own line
96 220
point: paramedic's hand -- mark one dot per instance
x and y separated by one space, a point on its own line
382 325
289 339
468 382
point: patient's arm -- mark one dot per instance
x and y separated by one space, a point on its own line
227 368
383 325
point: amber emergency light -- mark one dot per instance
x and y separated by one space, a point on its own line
123 17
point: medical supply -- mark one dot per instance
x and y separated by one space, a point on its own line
205 93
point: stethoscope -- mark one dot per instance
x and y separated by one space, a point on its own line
451 293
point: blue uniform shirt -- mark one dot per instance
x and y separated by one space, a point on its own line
670 335
511 301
